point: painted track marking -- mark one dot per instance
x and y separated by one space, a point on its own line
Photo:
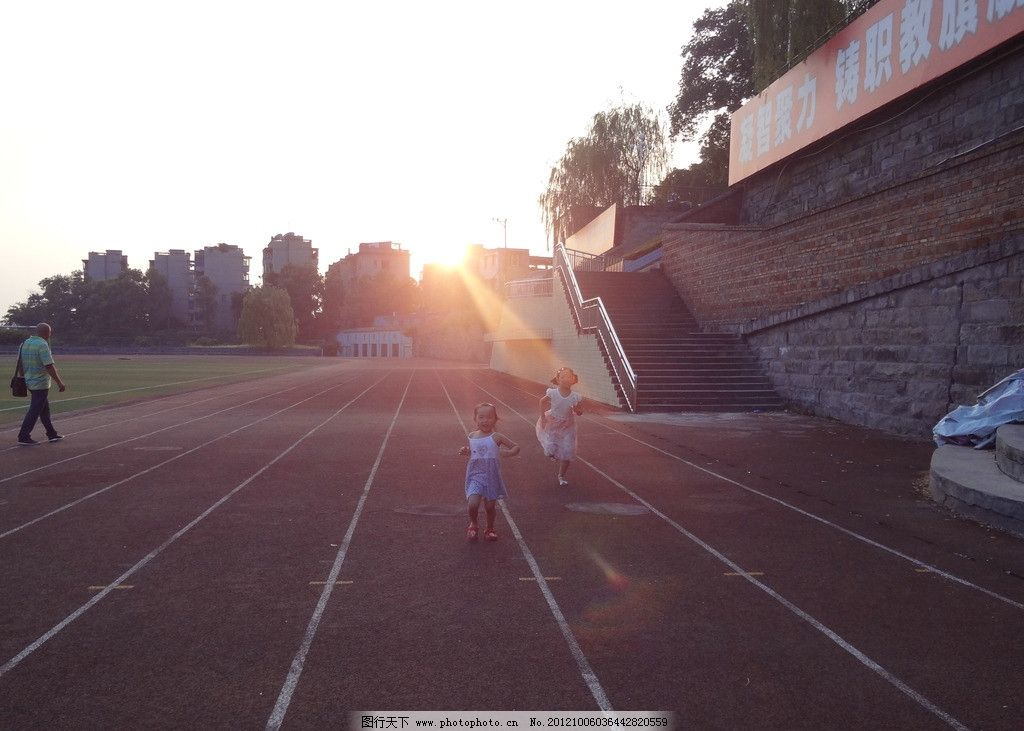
824 521
206 443
142 416
143 436
830 634
53 631
291 681
586 670
145 388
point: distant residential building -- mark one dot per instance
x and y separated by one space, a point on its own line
175 266
101 267
374 342
227 268
289 249
497 267
371 259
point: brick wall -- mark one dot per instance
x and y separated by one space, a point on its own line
731 274
880 277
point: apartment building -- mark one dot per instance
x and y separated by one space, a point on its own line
109 265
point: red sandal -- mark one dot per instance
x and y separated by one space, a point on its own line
490 535
471 532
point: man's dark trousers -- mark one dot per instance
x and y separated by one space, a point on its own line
38 409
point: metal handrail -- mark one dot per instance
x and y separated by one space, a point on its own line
592 315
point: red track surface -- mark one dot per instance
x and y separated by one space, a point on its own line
834 625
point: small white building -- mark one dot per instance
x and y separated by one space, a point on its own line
374 342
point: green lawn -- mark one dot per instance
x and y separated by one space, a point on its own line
98 380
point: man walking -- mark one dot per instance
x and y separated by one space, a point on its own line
37 367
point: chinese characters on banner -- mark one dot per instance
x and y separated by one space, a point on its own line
893 48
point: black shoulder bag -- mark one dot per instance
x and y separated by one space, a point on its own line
18 387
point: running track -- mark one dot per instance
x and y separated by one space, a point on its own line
284 551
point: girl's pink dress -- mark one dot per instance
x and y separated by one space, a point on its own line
556 429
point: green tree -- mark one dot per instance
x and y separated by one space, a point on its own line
114 309
716 78
206 301
59 303
691 184
158 302
267 318
785 31
624 151
305 288
717 72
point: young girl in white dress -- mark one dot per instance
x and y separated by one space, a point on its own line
556 427
483 473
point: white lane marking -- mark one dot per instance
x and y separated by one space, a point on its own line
148 434
585 669
825 521
922 566
830 634
207 443
291 681
53 631
145 416
146 388
749 576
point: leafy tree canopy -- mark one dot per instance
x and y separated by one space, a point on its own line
267 318
305 288
717 73
624 152
785 31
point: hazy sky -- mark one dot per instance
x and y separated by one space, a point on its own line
147 126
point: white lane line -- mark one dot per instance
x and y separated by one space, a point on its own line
146 388
148 434
586 671
146 416
53 631
922 566
830 634
207 443
825 521
291 681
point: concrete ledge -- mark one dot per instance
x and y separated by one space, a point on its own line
1010 450
968 482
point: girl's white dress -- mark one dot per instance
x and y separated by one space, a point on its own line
556 429
483 473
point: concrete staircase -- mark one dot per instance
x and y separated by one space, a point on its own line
678 367
981 485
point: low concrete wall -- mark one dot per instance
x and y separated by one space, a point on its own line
519 349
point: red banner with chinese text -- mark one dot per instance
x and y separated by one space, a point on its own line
893 48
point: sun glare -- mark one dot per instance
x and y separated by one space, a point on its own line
449 255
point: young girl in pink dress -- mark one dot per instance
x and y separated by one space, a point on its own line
556 427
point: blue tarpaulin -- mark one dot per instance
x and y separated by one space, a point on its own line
975 426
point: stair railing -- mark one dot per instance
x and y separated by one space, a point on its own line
592 316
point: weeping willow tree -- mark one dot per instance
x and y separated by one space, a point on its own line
624 153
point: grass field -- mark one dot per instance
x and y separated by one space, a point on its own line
98 380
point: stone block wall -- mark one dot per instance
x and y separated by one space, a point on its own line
900 353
